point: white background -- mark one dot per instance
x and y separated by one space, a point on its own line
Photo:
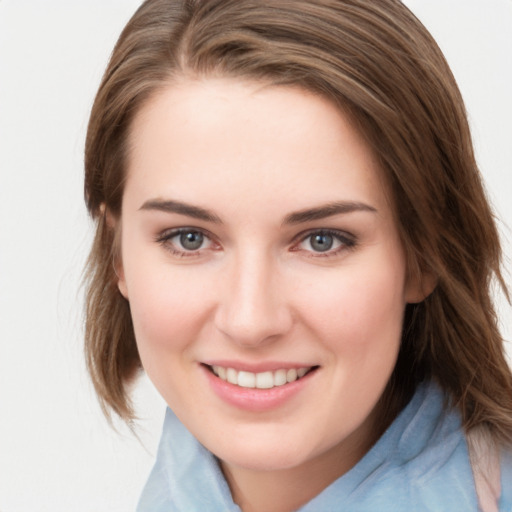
57 454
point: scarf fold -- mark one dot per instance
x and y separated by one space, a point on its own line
420 464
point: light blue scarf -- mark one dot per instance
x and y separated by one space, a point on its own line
420 464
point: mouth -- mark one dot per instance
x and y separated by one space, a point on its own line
260 380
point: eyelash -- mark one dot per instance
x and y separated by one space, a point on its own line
346 240
165 238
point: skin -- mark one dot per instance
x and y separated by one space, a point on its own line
257 291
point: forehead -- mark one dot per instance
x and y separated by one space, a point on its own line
247 140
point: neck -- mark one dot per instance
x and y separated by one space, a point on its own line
286 490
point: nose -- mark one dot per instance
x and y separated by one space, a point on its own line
253 307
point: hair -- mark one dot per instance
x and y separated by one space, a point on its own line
378 63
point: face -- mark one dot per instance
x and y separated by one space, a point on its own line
264 271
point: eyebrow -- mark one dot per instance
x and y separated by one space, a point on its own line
299 217
172 206
327 210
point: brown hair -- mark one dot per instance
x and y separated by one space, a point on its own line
377 62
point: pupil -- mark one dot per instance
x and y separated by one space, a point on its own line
321 243
192 240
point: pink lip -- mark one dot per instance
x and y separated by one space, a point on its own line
252 399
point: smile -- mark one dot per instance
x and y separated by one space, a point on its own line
262 380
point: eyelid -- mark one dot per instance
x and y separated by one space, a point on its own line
164 238
348 241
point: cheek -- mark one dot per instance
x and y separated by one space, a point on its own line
358 312
168 308
168 314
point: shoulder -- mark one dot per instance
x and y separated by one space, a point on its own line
420 464
505 502
485 463
430 462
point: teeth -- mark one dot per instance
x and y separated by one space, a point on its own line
231 375
222 372
246 379
280 377
291 375
263 380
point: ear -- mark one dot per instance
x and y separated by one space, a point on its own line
114 225
121 282
420 286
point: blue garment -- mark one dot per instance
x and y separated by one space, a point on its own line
420 464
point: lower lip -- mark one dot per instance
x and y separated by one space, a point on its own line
254 399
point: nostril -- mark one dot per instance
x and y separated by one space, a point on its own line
249 325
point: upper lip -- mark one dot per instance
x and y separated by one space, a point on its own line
265 366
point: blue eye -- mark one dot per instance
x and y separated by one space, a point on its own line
191 240
184 242
321 242
326 242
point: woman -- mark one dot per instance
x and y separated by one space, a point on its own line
293 241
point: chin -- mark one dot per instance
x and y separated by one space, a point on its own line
264 456
265 463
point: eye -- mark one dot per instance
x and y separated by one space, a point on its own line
191 240
325 242
185 242
321 242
